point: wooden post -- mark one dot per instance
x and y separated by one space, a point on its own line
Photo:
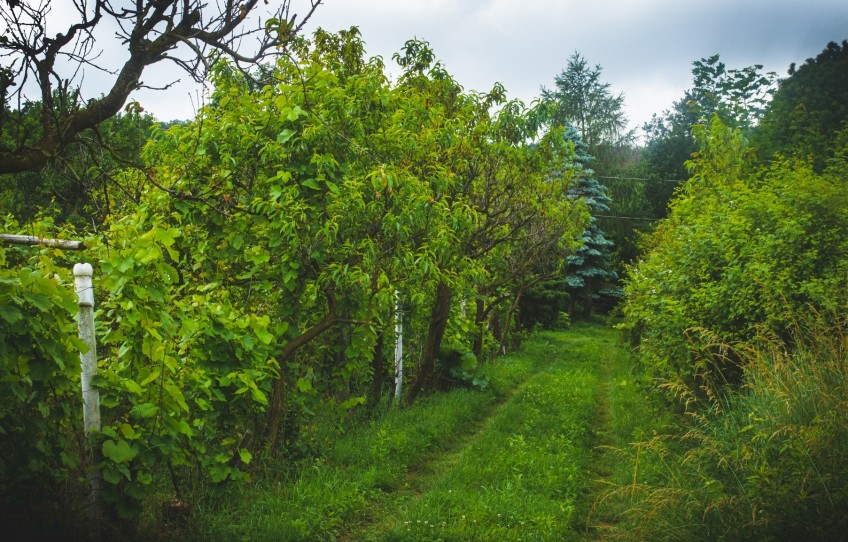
398 348
90 395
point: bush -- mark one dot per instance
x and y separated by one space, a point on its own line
744 249
41 435
765 462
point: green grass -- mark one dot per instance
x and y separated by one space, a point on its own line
524 475
364 465
525 460
762 462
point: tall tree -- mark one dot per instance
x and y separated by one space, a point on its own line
809 108
582 99
737 96
150 31
588 271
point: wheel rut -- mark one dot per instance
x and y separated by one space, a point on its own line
419 478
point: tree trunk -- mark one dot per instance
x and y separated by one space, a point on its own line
279 399
484 314
435 332
509 318
479 320
280 392
378 366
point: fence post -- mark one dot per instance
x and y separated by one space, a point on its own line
90 395
398 348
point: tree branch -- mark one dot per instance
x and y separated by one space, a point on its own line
149 31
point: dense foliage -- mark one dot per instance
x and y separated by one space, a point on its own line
40 402
74 186
248 285
738 311
744 249
810 107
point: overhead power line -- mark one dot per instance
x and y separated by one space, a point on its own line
641 179
628 217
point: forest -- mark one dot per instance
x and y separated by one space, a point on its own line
340 305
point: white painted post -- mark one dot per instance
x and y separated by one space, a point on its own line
398 348
90 394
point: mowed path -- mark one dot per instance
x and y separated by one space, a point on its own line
530 469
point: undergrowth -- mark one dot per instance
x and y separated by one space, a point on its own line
762 462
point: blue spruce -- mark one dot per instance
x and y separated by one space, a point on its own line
589 275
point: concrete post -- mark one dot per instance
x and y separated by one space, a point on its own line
90 394
398 348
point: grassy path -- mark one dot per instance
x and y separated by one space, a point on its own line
530 469
524 461
422 476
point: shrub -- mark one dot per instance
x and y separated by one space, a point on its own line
744 249
765 462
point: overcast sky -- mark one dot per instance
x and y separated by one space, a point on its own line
645 47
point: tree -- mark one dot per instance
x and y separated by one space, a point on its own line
737 96
588 271
809 108
151 32
75 186
580 98
501 217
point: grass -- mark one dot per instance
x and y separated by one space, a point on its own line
525 460
762 462
363 466
528 473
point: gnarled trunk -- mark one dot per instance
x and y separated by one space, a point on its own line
378 367
280 392
436 330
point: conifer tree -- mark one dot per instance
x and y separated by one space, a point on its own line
588 272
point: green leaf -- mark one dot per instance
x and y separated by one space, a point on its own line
120 451
245 456
259 396
112 476
11 314
128 431
285 135
311 183
125 264
352 402
153 376
304 385
144 410
263 335
132 387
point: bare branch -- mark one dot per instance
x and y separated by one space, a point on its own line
151 32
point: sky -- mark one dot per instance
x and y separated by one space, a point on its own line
645 47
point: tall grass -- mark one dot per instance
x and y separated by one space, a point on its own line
767 461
